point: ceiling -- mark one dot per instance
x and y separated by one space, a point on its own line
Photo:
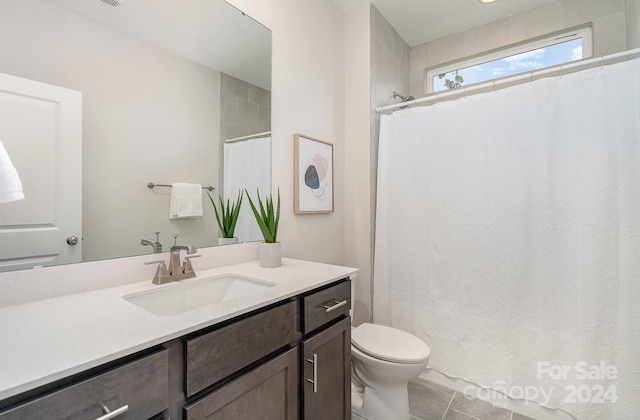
420 21
212 33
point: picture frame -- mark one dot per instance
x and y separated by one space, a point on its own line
313 175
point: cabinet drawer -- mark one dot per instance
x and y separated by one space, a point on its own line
269 392
141 385
328 304
220 353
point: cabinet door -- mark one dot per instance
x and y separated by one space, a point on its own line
269 392
327 373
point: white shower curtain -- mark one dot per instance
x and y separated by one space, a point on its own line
247 164
508 238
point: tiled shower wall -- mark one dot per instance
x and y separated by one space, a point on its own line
608 17
244 108
632 11
389 73
389 61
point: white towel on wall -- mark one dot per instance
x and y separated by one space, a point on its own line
186 201
10 185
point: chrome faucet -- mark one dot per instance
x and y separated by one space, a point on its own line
175 266
155 245
176 270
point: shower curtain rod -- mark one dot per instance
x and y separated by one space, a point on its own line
250 136
510 79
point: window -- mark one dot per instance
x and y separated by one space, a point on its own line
547 52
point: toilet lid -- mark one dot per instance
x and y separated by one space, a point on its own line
389 344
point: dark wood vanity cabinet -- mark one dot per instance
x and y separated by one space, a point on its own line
137 390
326 354
287 361
269 392
215 355
310 378
264 343
327 365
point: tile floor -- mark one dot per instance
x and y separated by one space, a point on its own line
428 401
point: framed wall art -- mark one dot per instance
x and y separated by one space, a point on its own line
313 175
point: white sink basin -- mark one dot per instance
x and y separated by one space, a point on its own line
187 295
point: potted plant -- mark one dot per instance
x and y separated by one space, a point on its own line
268 218
227 217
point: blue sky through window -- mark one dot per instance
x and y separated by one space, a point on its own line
519 63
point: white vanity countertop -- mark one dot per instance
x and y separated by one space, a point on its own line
50 339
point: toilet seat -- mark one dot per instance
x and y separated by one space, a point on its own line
389 344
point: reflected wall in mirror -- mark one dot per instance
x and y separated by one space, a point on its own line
161 87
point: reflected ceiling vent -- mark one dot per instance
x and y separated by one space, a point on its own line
113 3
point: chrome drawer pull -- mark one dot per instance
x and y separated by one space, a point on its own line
111 414
314 381
336 305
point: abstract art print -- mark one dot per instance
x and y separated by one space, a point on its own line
313 176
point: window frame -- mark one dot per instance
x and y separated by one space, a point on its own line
584 33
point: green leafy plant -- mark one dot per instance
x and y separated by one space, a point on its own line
267 216
457 81
227 216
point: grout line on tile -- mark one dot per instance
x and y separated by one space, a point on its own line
465 414
449 405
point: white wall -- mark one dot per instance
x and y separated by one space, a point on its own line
308 93
377 64
140 104
358 155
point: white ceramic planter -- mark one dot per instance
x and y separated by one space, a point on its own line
270 254
227 241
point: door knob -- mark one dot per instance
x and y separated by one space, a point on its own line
72 240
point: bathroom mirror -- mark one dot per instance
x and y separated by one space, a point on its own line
163 85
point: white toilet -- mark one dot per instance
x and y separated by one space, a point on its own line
384 360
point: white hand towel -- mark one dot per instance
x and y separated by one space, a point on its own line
10 185
186 201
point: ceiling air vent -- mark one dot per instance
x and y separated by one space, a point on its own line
113 3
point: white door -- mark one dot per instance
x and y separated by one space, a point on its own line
41 128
